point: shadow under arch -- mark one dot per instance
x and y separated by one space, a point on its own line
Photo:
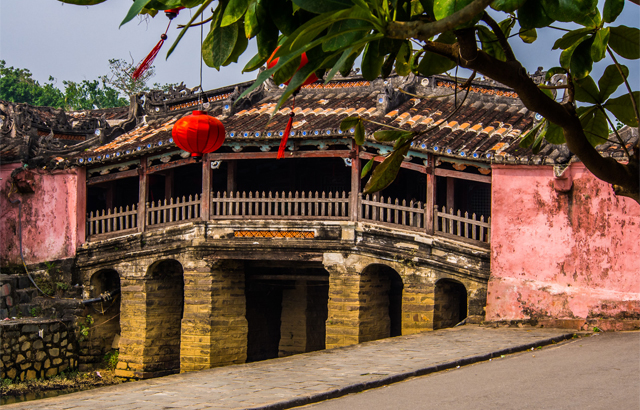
105 331
164 311
450 303
381 303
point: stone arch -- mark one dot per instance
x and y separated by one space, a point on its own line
380 302
104 333
450 303
164 308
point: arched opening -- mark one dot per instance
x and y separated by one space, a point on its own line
104 309
381 303
164 310
286 309
450 303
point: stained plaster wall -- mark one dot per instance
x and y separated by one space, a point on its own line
565 258
52 223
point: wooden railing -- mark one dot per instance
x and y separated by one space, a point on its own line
112 220
461 226
296 206
170 211
275 205
392 212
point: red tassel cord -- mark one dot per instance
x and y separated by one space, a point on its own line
287 131
146 63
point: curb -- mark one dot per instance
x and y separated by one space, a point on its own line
395 378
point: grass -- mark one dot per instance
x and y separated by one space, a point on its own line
70 380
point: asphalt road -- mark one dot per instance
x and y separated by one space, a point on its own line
596 372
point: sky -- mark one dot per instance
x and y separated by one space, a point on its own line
74 43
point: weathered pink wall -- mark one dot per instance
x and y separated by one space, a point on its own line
562 257
49 216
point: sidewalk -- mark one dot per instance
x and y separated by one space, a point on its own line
311 377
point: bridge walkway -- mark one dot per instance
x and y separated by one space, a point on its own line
310 377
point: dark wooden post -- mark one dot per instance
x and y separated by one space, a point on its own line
168 184
232 167
431 199
142 195
355 183
205 204
450 196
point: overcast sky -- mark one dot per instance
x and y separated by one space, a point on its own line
75 42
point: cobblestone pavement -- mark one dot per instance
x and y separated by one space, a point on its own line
311 377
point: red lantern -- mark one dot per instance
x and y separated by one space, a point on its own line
271 62
198 133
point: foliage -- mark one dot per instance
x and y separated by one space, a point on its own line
35 311
83 328
17 85
428 37
110 360
120 78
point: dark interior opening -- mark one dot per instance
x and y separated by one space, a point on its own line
297 174
286 309
468 196
105 330
381 316
409 185
450 303
113 194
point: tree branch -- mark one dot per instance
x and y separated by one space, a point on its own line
423 30
506 47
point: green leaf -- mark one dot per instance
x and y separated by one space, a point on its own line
529 36
267 38
532 15
325 6
349 122
240 47
219 45
433 63
610 81
284 73
554 134
387 66
553 71
599 47
391 135
347 65
358 135
508 6
490 43
217 15
568 10
281 13
625 41
386 172
346 55
234 10
251 22
256 62
581 61
611 10
371 61
622 108
571 38
351 29
136 7
586 91
367 168
190 3
445 8
590 20
403 66
529 137
594 124
537 143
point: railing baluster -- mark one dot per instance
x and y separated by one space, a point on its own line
482 229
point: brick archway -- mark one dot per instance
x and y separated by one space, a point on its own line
450 303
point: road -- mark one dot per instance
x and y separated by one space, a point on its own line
597 372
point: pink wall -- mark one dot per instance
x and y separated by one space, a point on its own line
49 215
572 256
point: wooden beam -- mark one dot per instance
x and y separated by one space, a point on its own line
272 155
142 195
355 182
205 205
232 168
81 205
112 177
431 201
172 164
405 164
462 175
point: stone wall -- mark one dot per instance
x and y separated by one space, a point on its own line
32 348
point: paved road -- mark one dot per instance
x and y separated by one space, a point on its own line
597 372
307 378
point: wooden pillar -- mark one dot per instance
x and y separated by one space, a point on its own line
109 196
142 195
431 201
355 183
450 199
81 205
168 184
205 205
232 167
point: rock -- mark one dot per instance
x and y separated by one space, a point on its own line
20 359
38 344
31 374
55 352
25 346
51 372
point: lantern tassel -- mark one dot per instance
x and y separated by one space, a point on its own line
146 63
287 129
